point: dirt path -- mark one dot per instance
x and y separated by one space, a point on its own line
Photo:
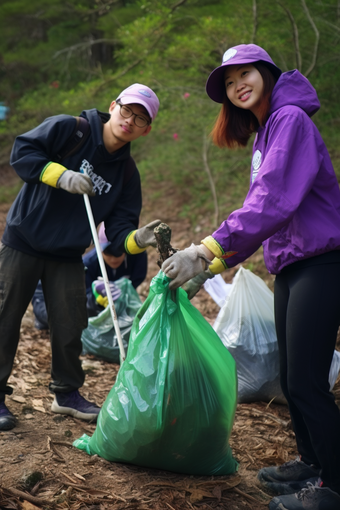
38 459
37 456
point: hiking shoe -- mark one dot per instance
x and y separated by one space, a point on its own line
313 497
289 478
7 419
73 404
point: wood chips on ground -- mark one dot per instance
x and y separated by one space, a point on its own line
39 467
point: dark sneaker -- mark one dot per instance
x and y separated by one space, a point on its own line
75 405
313 497
289 478
7 420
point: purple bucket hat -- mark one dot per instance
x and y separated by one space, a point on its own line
242 54
140 94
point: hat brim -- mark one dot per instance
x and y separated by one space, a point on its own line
104 246
131 99
215 86
108 248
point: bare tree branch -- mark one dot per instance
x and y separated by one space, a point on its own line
102 9
295 37
283 64
82 46
146 53
317 37
175 6
211 180
329 24
255 21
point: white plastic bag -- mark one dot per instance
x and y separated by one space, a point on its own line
335 368
246 327
218 289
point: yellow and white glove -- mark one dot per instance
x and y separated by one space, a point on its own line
138 240
58 176
192 286
184 265
75 182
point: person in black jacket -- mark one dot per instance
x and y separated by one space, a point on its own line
118 265
47 231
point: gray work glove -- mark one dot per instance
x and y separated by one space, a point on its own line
145 237
184 265
75 182
195 284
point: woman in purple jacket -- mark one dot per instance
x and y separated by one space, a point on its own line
293 210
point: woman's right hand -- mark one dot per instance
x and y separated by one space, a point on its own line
185 264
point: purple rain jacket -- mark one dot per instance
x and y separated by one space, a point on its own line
293 204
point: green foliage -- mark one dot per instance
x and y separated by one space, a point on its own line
62 57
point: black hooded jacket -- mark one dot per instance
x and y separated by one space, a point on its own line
52 223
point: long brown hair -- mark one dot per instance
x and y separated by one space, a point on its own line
234 126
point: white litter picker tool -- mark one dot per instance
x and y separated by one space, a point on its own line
105 277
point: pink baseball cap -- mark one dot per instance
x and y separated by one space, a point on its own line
242 54
140 94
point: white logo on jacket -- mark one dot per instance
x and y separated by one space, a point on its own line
256 163
98 182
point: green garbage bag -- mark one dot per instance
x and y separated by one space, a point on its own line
100 338
173 404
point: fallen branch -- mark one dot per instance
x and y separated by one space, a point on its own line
68 477
252 410
250 498
55 450
163 237
89 490
63 443
31 499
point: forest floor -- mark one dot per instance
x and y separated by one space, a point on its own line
39 467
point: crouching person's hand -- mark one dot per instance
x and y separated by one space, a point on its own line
99 292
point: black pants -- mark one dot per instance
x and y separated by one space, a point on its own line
307 316
39 308
65 295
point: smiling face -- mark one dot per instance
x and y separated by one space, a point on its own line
244 87
119 130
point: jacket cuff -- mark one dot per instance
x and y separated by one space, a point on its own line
216 248
217 266
51 173
213 246
130 245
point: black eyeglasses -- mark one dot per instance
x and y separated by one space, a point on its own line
126 112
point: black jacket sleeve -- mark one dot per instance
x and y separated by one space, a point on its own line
139 266
33 150
125 216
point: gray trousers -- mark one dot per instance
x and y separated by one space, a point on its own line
64 289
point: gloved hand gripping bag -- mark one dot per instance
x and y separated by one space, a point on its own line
173 404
